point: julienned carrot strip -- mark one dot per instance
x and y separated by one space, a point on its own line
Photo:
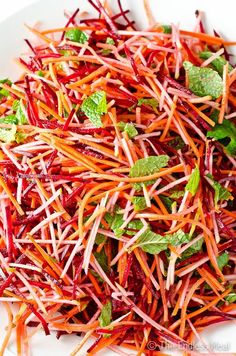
96 73
204 37
81 27
186 302
205 117
9 329
11 197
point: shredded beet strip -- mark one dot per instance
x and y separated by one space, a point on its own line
94 241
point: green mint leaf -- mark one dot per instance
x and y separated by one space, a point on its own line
133 227
193 183
167 202
139 203
226 130
203 81
153 243
94 107
218 63
115 222
129 128
176 194
101 257
222 260
215 115
20 137
7 135
76 35
100 239
20 115
107 51
3 91
231 298
177 238
221 193
148 101
40 73
167 29
177 143
147 166
105 317
10 119
196 247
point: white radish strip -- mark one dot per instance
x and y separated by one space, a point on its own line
213 57
148 135
3 262
47 203
143 33
43 80
184 291
193 266
230 116
128 244
143 148
92 237
127 152
189 244
128 205
153 147
146 196
160 48
113 199
182 206
153 187
112 235
97 301
19 265
171 270
127 220
117 295
45 222
162 98
76 249
32 292
172 184
196 129
11 156
63 236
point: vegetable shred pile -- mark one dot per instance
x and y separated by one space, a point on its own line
117 184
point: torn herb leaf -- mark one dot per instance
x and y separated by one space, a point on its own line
154 243
147 166
222 260
139 203
8 135
226 130
203 81
106 315
193 183
129 128
218 63
94 107
221 193
76 35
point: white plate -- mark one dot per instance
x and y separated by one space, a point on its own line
50 12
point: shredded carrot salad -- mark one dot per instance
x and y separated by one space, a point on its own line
117 184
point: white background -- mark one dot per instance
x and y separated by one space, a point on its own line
9 7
